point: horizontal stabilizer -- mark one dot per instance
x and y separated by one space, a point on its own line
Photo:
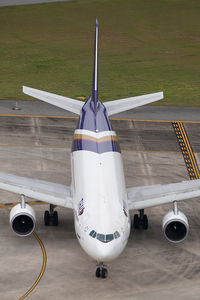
117 106
59 101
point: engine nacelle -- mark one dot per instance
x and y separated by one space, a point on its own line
175 226
22 219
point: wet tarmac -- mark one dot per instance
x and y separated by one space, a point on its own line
149 268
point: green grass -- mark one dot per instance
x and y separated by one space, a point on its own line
145 46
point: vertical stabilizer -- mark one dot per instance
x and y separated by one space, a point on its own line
95 74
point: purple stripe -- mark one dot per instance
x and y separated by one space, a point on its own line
108 146
95 74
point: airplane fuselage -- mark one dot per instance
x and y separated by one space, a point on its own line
101 215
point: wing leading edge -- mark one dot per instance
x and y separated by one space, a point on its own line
49 192
154 195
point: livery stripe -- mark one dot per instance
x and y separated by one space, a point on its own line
95 139
106 143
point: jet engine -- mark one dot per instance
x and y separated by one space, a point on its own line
175 226
22 219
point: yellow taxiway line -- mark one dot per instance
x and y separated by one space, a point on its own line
115 119
42 270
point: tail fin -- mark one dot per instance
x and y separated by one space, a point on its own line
95 74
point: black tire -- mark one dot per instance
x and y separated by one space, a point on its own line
46 218
136 222
104 273
145 223
98 272
55 218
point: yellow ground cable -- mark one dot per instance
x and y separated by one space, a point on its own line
42 270
190 152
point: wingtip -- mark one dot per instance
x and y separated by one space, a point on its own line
97 23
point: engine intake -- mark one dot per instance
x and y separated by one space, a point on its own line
22 219
175 226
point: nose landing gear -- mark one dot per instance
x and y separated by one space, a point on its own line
101 271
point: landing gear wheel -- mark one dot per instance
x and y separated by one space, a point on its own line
98 273
51 217
140 221
46 218
145 222
101 271
104 273
136 222
55 218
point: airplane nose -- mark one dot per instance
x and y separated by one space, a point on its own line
106 252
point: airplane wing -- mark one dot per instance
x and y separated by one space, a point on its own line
117 106
59 101
49 192
154 195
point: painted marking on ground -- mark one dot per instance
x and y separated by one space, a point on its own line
187 151
42 270
114 119
69 148
11 204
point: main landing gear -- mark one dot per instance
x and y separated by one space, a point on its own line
51 216
101 271
140 221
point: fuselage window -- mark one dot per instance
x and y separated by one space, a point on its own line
101 237
109 237
116 235
104 238
93 234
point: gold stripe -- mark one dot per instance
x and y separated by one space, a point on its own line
93 139
42 270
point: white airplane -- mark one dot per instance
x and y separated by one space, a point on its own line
98 196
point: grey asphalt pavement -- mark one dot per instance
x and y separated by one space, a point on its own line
150 268
140 113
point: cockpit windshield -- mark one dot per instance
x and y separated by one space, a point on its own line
104 238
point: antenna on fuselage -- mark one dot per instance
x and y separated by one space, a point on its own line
95 74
